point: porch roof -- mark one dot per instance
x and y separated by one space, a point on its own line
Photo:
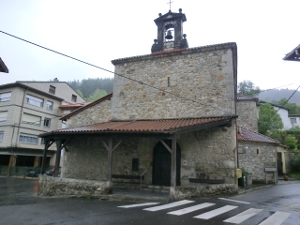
245 134
159 126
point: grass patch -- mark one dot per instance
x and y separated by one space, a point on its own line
295 175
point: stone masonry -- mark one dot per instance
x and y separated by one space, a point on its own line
201 74
247 112
254 157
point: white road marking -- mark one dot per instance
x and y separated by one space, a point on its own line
138 205
243 216
276 219
216 212
170 205
191 209
232 200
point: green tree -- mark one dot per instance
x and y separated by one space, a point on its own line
290 141
269 120
248 88
293 108
96 95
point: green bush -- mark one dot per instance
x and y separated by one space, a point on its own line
296 162
291 142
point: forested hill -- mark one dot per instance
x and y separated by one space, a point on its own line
92 89
277 94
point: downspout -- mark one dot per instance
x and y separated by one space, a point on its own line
21 114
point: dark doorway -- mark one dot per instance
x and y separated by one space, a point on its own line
162 164
279 163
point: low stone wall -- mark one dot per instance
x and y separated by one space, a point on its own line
204 190
52 186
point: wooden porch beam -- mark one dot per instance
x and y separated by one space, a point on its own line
166 146
58 153
173 170
47 145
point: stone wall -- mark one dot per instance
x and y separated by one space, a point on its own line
98 113
255 157
247 112
204 80
52 186
208 154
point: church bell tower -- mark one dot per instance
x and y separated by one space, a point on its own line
170 32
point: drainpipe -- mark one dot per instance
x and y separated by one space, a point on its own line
21 114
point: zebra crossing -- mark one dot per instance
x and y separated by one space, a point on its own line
275 219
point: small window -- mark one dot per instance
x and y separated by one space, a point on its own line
42 141
74 98
31 119
257 151
52 89
47 122
49 105
28 139
293 120
135 164
39 102
1 135
3 115
5 96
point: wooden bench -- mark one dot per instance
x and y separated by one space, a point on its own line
120 178
206 181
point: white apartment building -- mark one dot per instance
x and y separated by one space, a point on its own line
28 109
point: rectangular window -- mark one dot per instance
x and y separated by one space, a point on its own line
5 96
47 122
293 120
1 135
42 141
49 105
52 89
74 98
31 119
28 139
3 115
39 102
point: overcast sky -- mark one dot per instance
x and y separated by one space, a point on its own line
98 31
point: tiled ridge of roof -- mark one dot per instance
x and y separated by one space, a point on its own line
184 50
144 126
253 136
246 98
88 105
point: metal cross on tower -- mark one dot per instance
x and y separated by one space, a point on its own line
170 2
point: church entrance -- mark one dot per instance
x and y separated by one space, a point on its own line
162 164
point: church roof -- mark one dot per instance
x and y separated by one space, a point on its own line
85 106
245 134
159 126
207 48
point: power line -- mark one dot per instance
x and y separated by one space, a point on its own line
101 68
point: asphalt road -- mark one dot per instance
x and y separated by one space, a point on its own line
20 205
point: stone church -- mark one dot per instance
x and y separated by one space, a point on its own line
170 124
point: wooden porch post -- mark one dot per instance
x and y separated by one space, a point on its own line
57 160
109 168
110 150
44 157
173 170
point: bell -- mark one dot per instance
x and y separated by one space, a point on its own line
169 35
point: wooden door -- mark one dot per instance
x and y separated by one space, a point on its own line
162 165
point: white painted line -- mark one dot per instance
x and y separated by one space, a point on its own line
237 201
167 206
276 219
191 209
138 205
243 216
216 212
